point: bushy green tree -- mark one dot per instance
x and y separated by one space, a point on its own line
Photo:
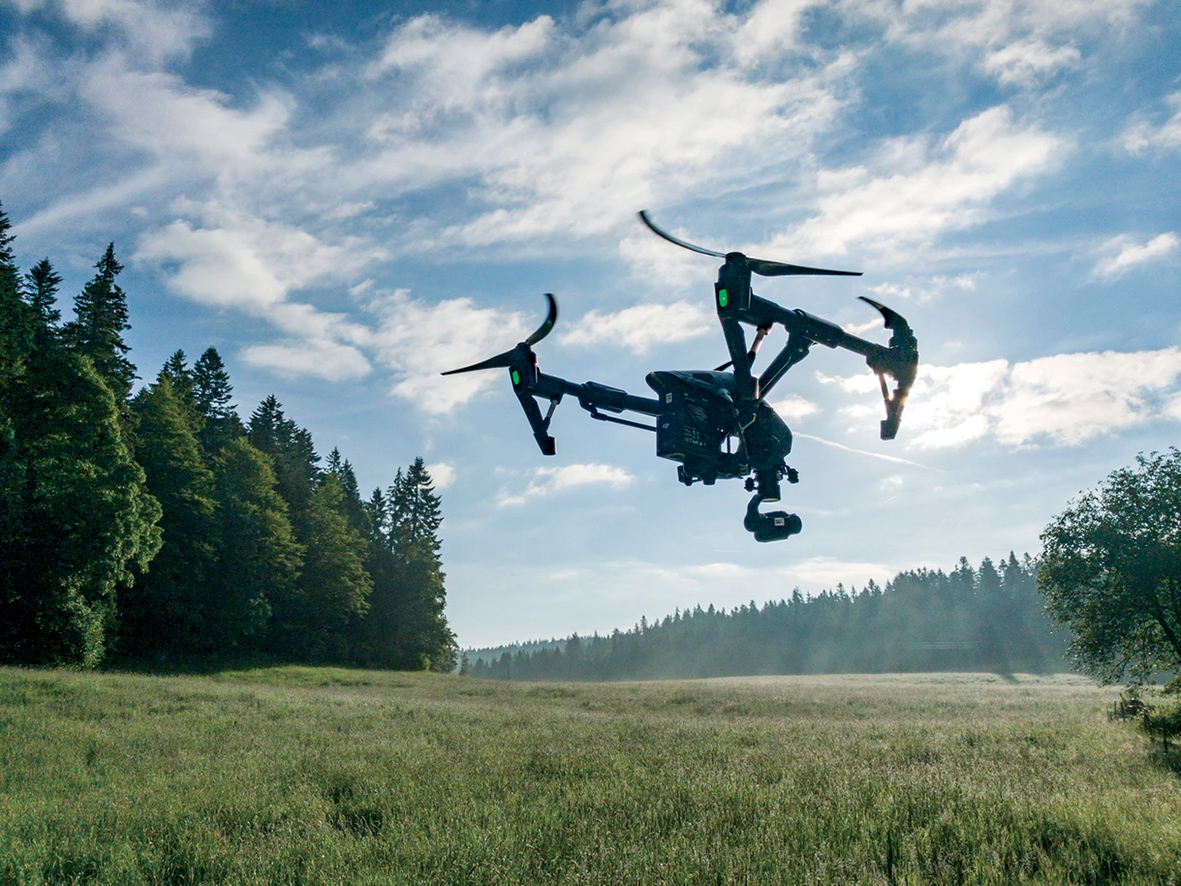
1111 570
81 522
40 291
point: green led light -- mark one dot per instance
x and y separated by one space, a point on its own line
516 378
723 298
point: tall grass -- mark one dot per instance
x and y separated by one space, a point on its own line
302 775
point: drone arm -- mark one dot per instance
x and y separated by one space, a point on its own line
899 360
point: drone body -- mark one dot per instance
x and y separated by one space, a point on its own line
716 423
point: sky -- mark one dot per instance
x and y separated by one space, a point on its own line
346 199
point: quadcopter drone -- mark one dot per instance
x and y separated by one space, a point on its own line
717 423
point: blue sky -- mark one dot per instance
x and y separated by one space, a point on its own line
346 199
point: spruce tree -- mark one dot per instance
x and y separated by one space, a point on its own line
423 636
100 319
166 612
293 454
259 558
212 396
40 291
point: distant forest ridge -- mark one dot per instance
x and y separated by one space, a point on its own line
986 618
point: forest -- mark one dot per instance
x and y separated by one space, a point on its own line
153 525
985 618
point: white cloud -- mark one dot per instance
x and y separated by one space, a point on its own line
828 572
793 408
919 191
1142 135
641 327
1124 253
1064 399
442 474
547 481
153 31
323 359
1025 62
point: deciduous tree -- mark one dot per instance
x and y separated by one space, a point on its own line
1111 570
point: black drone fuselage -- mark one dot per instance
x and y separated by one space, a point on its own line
717 424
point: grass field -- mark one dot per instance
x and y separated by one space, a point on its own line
302 775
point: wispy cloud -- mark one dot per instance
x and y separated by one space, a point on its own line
641 327
1123 253
1065 399
548 481
917 190
1142 135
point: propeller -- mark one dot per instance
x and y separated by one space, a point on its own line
761 266
504 360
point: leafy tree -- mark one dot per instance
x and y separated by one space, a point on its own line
99 323
1111 570
166 611
259 558
79 522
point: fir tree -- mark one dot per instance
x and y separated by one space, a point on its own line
212 396
40 291
293 455
166 611
259 558
100 320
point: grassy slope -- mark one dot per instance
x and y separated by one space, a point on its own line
299 775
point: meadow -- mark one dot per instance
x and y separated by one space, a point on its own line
311 775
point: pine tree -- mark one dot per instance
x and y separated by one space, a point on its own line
259 559
100 320
212 395
166 612
335 585
293 454
40 291
423 636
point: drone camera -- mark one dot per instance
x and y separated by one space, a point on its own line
777 526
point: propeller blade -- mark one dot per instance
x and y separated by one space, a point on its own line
550 319
761 266
766 268
671 239
500 361
888 315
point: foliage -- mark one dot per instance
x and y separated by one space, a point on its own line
159 520
1111 571
168 610
100 320
922 620
80 521
318 776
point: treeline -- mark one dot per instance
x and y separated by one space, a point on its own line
158 526
972 619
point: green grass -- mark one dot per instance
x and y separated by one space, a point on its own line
310 775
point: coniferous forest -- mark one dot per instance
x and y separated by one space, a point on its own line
971 619
156 526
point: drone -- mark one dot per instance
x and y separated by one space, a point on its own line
717 424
